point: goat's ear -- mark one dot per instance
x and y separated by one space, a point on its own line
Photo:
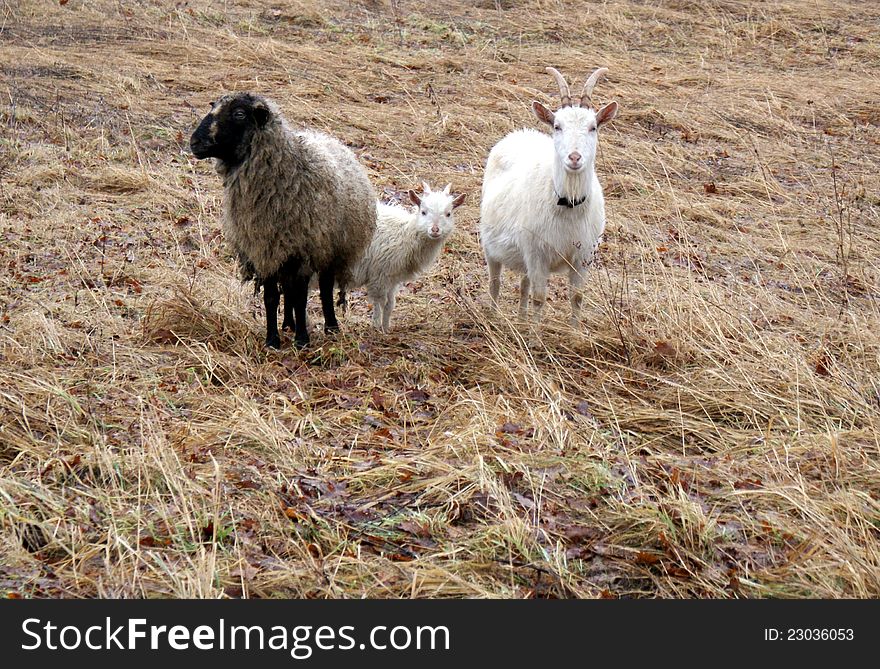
261 115
426 188
447 189
459 200
607 113
414 198
542 113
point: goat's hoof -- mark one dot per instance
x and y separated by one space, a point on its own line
331 328
301 342
273 341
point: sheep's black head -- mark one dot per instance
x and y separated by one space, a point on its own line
226 132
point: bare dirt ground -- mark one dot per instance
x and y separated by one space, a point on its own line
711 430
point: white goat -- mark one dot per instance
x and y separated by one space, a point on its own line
543 209
405 243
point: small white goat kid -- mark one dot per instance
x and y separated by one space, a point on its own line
543 209
405 243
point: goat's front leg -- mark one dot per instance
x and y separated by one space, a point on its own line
537 272
575 294
539 295
390 301
377 297
326 280
494 280
524 287
271 298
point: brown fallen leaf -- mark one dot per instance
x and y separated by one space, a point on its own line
664 349
822 364
509 428
577 533
295 514
415 528
377 400
417 395
643 557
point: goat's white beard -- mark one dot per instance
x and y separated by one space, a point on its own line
572 185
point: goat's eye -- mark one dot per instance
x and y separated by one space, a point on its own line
557 127
424 213
448 214
593 129
239 115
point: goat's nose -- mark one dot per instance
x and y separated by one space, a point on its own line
435 229
574 157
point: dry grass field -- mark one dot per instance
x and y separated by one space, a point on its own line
711 430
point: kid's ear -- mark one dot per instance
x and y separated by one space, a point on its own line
459 200
542 113
414 198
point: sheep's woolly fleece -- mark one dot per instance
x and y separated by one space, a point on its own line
299 193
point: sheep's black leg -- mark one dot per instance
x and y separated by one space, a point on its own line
298 288
326 279
271 300
342 300
288 323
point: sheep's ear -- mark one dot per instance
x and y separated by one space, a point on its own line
459 200
414 198
261 115
542 113
607 113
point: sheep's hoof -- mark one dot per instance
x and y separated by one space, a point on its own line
273 341
331 328
301 342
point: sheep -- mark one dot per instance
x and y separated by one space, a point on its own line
296 203
542 208
404 245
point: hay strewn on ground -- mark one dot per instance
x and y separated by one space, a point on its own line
710 431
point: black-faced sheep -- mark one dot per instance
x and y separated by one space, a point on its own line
296 203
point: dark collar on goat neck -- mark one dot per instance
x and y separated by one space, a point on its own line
571 204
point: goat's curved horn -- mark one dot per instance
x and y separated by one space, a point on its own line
587 95
563 87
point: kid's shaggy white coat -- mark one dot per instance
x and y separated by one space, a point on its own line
405 244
